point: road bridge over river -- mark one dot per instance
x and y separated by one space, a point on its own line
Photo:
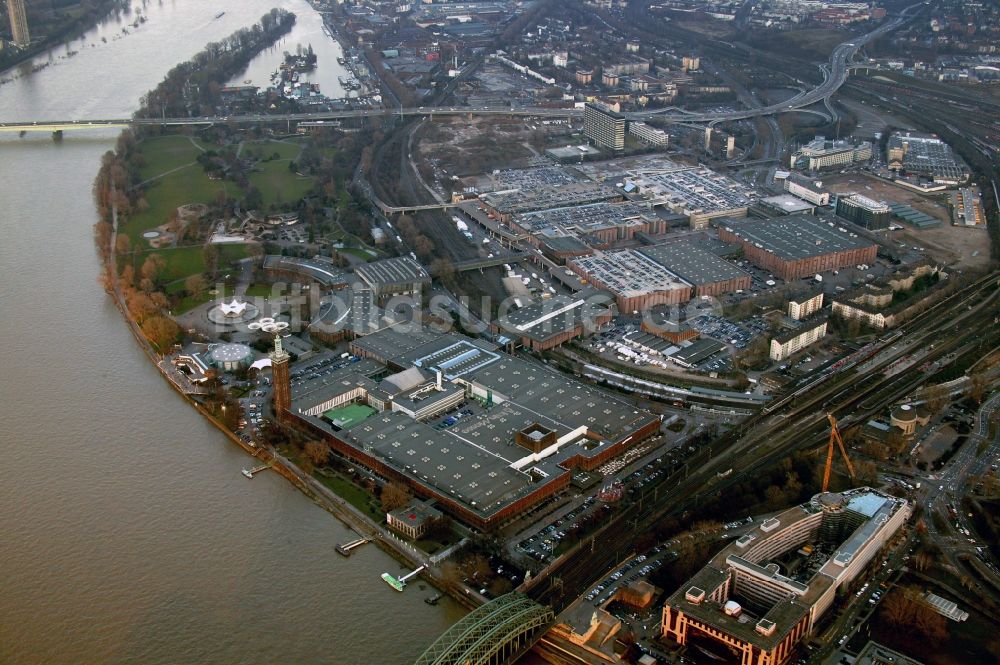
835 74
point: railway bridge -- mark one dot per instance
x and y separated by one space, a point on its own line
494 633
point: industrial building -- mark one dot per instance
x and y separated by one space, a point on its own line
401 275
798 245
636 281
706 272
745 605
807 190
604 127
924 155
504 204
786 204
790 342
350 313
967 207
546 324
698 193
865 212
517 433
822 153
604 223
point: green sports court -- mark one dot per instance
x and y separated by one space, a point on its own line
348 416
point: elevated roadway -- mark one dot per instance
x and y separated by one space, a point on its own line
835 74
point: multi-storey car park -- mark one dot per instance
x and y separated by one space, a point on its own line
709 274
636 281
601 223
504 204
764 593
797 245
518 432
925 155
696 192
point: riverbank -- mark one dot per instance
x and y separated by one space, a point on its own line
135 302
68 31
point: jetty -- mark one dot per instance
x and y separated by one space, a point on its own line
249 473
400 584
345 549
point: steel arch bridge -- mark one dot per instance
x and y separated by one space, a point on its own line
491 634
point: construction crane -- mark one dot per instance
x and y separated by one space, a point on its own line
834 436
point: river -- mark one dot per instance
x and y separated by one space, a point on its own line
127 534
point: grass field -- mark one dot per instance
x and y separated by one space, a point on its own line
259 291
267 148
360 252
277 184
185 261
187 303
189 185
351 493
163 153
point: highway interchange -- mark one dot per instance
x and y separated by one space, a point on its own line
835 74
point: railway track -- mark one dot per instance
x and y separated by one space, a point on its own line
768 438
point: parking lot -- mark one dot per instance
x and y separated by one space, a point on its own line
738 335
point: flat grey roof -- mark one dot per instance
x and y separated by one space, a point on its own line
565 244
787 203
521 200
628 273
585 218
693 264
544 319
700 350
795 236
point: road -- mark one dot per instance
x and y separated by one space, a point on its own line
836 75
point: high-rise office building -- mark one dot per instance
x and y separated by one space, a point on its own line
604 127
18 22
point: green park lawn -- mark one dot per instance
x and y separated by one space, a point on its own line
163 153
187 303
277 184
360 252
259 291
267 148
351 493
183 262
189 185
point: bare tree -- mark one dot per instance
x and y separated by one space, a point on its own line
978 383
317 451
195 285
395 495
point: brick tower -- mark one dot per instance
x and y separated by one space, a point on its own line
282 384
